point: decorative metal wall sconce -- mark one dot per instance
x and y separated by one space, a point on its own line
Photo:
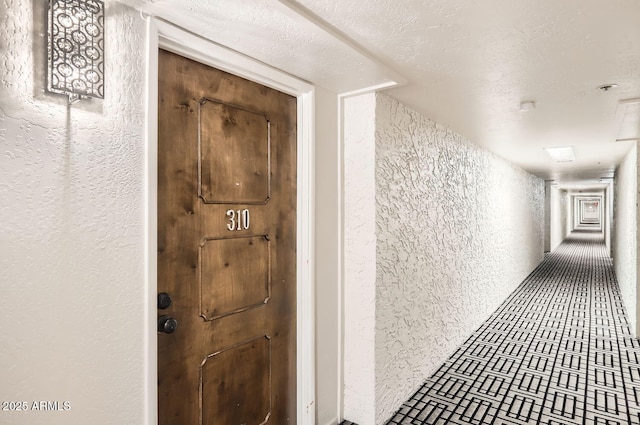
75 65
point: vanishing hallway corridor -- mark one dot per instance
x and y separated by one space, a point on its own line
557 351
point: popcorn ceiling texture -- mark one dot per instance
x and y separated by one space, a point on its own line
72 228
625 228
271 32
457 229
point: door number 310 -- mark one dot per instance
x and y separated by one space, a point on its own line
238 220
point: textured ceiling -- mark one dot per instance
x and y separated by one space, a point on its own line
273 33
467 64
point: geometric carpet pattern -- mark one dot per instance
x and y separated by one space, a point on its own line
557 351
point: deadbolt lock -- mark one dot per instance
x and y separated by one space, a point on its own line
167 324
164 300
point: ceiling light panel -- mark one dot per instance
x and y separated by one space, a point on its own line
563 154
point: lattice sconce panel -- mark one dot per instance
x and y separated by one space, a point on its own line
76 48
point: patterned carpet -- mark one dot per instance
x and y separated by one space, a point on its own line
557 351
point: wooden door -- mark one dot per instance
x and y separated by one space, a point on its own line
226 248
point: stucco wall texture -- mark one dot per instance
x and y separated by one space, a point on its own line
457 229
625 242
71 229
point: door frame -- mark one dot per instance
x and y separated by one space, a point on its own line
161 34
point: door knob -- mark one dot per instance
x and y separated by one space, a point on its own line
167 324
164 300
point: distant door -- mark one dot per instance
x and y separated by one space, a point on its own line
226 248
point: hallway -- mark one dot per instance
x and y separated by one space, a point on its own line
557 351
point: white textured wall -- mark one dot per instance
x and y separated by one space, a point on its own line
570 212
559 214
547 215
626 230
71 229
608 216
457 230
359 259
611 226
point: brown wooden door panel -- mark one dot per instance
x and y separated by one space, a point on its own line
244 263
225 378
232 172
226 248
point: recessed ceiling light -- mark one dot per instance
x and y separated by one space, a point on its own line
527 106
607 87
563 154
